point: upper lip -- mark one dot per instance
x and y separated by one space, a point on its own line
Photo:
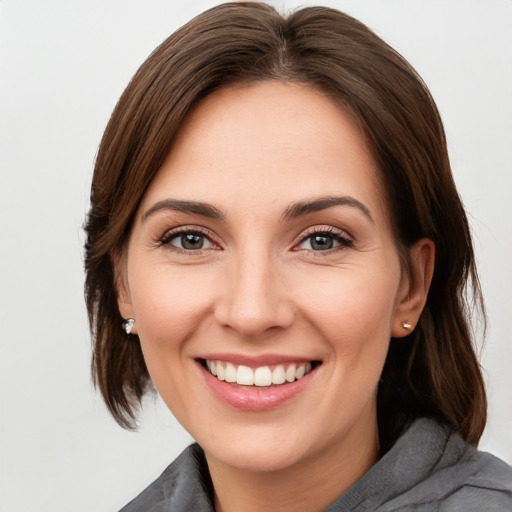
256 361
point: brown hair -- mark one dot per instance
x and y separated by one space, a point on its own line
434 372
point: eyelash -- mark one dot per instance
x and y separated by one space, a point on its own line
175 233
339 236
328 232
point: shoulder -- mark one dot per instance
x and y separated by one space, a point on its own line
431 469
486 486
183 486
459 477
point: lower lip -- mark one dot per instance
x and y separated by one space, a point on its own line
252 398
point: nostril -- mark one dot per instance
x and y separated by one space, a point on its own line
254 319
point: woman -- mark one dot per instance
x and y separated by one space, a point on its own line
276 244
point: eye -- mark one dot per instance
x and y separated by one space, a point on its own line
325 240
188 240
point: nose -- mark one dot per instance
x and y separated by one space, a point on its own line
254 300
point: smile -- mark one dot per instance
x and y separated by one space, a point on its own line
257 384
262 376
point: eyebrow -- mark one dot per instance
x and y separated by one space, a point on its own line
302 208
177 205
293 211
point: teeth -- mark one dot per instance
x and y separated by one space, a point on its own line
244 375
220 372
230 373
261 377
278 375
290 373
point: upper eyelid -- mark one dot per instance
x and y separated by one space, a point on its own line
324 229
188 228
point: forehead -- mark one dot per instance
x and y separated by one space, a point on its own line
268 143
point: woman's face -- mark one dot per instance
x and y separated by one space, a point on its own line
262 251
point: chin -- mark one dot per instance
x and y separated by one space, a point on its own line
267 448
257 458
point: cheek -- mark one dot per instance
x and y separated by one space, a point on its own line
351 299
169 304
352 309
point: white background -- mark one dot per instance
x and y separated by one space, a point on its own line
63 66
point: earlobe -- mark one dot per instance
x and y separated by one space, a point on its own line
413 291
123 292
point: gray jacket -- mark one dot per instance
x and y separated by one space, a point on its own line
429 469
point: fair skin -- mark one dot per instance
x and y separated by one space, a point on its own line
264 241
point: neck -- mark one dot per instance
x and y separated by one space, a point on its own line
310 485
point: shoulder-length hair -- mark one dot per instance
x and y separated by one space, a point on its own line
433 372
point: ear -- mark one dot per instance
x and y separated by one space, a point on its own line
414 286
123 296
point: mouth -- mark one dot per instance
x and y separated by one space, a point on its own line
257 383
266 376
